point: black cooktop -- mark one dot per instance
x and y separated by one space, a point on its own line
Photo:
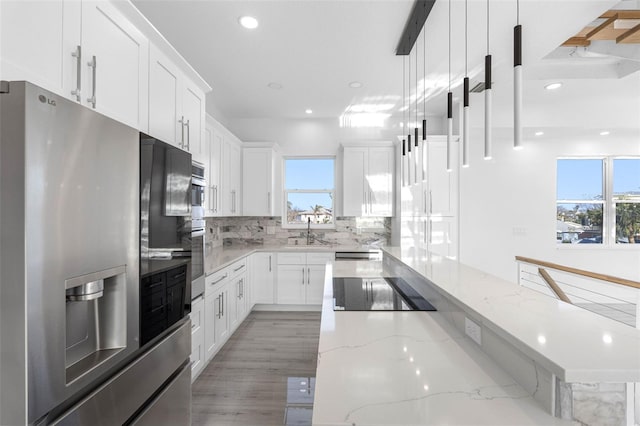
377 294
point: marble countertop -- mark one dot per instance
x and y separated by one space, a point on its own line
408 368
573 343
220 257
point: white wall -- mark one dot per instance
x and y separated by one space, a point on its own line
508 208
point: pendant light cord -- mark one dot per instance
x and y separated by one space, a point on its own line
404 101
517 12
416 77
466 39
487 27
449 45
424 71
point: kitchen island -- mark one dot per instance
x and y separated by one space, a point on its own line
399 368
408 368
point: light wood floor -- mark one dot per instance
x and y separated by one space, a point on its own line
248 381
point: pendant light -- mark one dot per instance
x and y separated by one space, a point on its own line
424 83
409 106
415 132
487 97
404 141
449 102
465 110
517 80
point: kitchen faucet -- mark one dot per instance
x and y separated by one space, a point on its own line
308 230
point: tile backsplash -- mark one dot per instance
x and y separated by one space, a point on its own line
268 231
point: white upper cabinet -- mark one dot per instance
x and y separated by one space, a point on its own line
115 61
86 51
231 176
368 181
38 39
176 106
259 186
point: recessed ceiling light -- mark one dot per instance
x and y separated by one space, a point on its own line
539 133
553 86
274 85
355 85
604 133
248 22
308 111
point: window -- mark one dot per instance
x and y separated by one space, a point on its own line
309 192
598 201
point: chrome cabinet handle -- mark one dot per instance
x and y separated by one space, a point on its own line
269 201
308 276
269 263
222 295
242 289
188 135
425 200
238 268
303 276
430 201
219 279
94 65
78 55
181 121
215 198
219 307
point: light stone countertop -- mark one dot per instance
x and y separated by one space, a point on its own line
408 368
220 257
573 343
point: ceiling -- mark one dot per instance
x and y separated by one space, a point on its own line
315 48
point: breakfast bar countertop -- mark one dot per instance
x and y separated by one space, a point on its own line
408 368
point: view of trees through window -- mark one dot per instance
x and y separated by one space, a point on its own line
309 191
596 197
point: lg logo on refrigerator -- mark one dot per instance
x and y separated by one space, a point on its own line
45 100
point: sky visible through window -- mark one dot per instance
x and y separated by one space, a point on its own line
581 179
309 173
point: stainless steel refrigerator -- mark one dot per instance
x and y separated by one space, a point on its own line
69 273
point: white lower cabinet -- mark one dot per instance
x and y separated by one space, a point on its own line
262 272
301 277
197 337
216 312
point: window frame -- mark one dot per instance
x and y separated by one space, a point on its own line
286 192
609 240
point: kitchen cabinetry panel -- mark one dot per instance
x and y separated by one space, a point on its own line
368 181
262 278
193 109
116 80
197 337
441 192
163 97
292 285
301 277
231 177
39 49
259 186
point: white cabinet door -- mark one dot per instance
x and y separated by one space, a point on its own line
231 176
262 278
354 185
193 119
442 237
117 74
441 196
214 171
380 181
292 284
197 337
257 179
315 284
38 39
163 97
211 312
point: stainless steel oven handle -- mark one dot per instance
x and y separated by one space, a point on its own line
198 233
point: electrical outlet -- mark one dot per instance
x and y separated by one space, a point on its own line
473 330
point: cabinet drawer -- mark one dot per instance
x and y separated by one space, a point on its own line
292 258
239 267
177 275
217 278
319 258
153 283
